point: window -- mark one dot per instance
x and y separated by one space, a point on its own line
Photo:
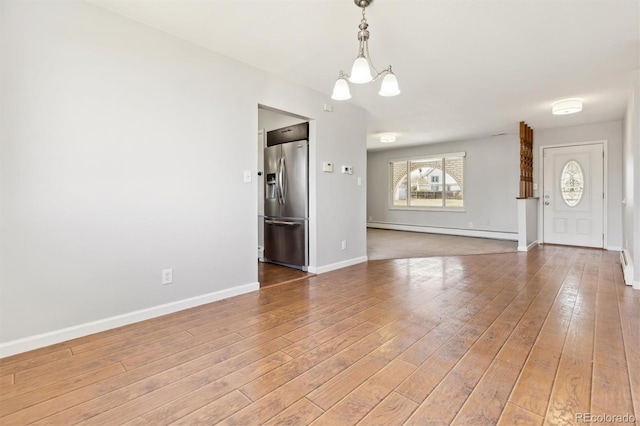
426 183
572 183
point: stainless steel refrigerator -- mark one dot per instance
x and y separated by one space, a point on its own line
286 196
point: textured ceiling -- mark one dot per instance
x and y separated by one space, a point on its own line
466 68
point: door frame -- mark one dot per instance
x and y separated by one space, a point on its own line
605 186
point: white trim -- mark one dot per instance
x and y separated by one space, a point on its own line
430 156
529 247
605 185
496 235
45 339
627 267
613 248
442 158
430 209
338 265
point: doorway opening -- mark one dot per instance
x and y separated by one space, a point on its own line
270 119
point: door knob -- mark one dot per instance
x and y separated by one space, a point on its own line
546 203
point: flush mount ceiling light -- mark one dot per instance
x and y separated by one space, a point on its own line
387 138
362 67
567 106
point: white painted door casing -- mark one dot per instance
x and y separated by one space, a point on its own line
581 222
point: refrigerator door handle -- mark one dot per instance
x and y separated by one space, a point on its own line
283 181
281 222
279 181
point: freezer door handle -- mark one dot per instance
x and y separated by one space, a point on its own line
281 222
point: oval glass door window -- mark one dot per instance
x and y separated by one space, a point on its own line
572 183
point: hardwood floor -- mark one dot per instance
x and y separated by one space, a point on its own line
543 337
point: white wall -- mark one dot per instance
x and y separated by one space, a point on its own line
491 182
612 133
630 167
272 120
121 155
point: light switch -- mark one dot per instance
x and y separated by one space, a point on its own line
327 167
247 176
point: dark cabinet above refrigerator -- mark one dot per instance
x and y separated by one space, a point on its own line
297 132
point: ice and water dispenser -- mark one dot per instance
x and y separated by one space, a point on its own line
270 190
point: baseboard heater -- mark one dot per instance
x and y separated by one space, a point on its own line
627 268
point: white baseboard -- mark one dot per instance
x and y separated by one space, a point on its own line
613 248
45 339
627 267
338 265
529 247
512 236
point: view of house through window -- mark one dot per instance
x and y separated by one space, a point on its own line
428 183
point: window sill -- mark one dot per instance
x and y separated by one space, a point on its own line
430 209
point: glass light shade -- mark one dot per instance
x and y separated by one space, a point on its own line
389 85
360 73
568 106
341 90
387 138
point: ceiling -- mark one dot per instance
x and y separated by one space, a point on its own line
466 68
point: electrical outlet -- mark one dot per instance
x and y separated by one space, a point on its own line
344 244
167 276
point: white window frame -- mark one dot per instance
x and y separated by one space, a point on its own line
430 157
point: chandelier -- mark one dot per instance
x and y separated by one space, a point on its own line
361 72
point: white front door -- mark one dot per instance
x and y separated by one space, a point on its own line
573 195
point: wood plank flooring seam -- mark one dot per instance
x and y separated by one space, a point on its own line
555 288
85 415
246 395
102 392
452 371
190 401
20 365
522 368
504 290
566 358
521 407
635 390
